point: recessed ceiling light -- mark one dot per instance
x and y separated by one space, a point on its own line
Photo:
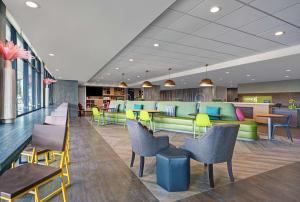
286 76
227 72
156 45
31 4
279 33
108 74
130 60
288 70
138 76
248 75
215 9
253 79
117 68
57 70
51 54
128 79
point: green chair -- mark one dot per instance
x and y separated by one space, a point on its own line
129 116
145 118
98 115
202 120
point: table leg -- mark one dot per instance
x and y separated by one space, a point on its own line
269 128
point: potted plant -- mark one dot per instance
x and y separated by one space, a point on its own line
9 52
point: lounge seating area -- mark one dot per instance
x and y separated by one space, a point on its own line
161 100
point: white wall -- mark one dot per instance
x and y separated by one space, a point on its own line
82 95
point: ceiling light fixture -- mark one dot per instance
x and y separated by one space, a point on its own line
206 82
32 4
215 9
156 45
227 72
122 83
147 84
248 75
253 79
138 76
169 82
287 76
130 60
51 54
288 70
279 33
117 68
57 70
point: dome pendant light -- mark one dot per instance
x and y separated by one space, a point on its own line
206 82
122 83
169 82
147 84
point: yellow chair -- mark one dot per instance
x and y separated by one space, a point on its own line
145 118
202 121
98 115
129 116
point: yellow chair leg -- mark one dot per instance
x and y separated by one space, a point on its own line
36 194
46 158
63 188
194 130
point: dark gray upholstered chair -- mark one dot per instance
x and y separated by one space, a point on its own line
216 146
144 143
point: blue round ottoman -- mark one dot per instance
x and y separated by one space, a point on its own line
173 169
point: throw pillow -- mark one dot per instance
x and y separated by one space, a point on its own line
240 115
213 111
170 110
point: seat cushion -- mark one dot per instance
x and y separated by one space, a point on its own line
22 178
246 125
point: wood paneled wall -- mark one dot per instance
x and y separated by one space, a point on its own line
151 94
188 95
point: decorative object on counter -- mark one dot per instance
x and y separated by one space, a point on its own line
9 52
206 82
169 82
47 82
147 84
123 84
292 104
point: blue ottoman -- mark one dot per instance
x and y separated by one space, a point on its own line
173 169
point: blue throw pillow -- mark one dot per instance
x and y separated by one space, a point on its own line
213 111
170 110
138 106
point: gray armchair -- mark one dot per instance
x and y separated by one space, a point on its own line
144 143
216 146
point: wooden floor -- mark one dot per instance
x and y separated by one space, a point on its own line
99 173
279 185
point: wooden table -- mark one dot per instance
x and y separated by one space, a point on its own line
270 116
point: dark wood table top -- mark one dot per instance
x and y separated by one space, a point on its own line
213 115
271 115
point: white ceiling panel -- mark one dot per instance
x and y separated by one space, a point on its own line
211 30
202 10
272 6
188 24
185 5
261 25
241 17
167 18
291 14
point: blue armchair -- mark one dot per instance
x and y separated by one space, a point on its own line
144 143
216 146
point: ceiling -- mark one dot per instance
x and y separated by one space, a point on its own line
189 36
83 35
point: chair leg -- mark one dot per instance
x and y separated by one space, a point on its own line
132 159
211 175
229 168
289 133
194 130
273 131
63 189
36 194
142 161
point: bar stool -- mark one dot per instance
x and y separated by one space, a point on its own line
28 178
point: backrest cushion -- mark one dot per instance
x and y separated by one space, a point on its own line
170 110
227 110
239 114
183 109
137 106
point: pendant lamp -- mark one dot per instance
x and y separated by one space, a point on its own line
122 83
147 84
169 82
206 82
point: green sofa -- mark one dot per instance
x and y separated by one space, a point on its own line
183 122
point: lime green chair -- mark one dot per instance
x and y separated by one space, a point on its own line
146 119
98 115
202 121
129 116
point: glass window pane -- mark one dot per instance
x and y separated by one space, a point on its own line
8 33
30 88
20 87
